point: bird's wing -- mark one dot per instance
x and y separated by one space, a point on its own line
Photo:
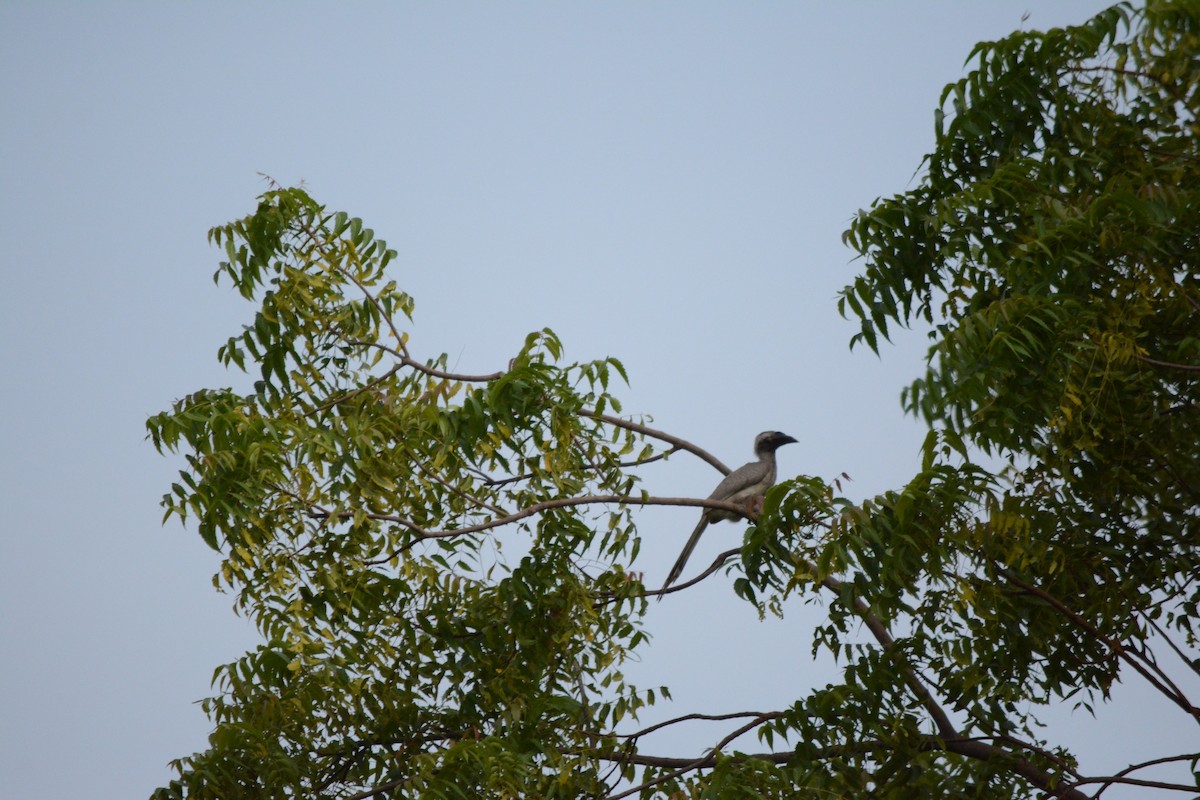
747 476
681 562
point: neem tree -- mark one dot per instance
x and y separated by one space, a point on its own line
357 491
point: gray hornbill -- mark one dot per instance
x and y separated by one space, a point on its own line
746 483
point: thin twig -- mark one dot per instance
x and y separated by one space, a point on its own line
443 482
355 392
1192 664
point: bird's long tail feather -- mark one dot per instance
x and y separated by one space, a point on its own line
681 562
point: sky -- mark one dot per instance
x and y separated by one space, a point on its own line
666 183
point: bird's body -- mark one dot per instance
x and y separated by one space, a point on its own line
744 484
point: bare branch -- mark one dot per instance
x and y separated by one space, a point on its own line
689 718
1120 777
596 499
1172 365
654 433
537 508
378 790
718 562
404 359
623 465
1191 664
1109 781
749 726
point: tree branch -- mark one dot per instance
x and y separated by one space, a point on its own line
698 763
949 738
428 470
1151 672
407 361
378 790
1109 781
1193 665
688 718
1172 365
328 404
1120 776
927 743
490 481
717 563
321 248
946 728
537 508
654 433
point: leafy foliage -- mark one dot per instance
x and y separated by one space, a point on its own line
440 564
1051 247
352 502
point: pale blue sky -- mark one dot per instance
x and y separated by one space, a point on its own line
663 182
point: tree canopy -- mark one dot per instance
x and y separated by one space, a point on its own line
1044 549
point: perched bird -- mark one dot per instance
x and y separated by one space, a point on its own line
746 483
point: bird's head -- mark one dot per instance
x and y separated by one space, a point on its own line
770 441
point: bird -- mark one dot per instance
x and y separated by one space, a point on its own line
746 483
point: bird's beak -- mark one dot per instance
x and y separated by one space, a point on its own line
783 439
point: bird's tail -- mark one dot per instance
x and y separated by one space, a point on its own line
681 562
